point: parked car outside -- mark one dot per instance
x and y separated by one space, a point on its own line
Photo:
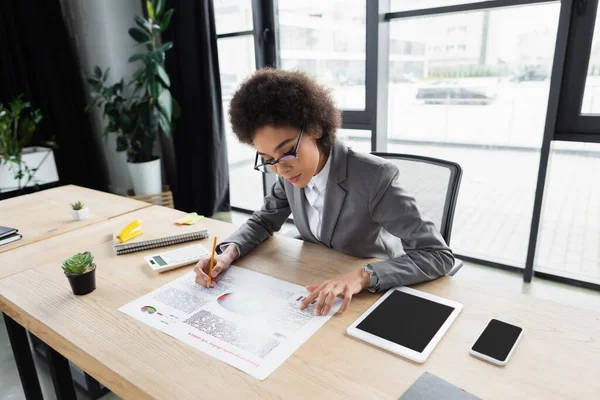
453 92
536 74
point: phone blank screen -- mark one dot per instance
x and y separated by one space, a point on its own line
497 340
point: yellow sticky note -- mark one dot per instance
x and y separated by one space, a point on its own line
189 219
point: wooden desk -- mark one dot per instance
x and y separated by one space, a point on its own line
158 221
97 238
558 356
47 213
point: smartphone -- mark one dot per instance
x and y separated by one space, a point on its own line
497 342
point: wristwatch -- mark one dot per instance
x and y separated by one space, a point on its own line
374 280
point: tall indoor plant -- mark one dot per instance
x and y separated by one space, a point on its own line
20 165
139 111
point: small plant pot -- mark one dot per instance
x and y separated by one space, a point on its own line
78 215
83 283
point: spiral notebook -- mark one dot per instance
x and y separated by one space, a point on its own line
133 246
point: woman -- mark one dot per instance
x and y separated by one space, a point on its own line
349 201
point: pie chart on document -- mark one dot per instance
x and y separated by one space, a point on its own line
149 309
244 303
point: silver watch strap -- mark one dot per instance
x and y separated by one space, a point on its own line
374 279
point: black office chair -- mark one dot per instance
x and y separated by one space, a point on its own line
434 183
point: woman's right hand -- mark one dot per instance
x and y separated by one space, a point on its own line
222 263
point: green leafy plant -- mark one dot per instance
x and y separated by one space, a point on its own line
78 264
139 111
77 206
18 122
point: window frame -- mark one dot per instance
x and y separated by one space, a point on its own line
264 32
572 125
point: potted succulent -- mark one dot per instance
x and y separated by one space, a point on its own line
141 110
20 165
79 211
81 272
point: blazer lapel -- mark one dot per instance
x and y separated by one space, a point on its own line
335 193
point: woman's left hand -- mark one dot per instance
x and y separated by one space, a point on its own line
345 286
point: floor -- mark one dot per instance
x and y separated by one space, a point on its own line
10 387
10 384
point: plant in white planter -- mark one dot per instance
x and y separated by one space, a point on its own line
81 272
79 211
139 111
22 166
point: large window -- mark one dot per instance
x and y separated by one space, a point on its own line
407 5
569 241
510 90
236 62
579 97
326 39
233 16
357 140
473 88
591 95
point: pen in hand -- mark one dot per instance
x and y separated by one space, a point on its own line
212 263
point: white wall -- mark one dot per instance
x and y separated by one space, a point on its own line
98 29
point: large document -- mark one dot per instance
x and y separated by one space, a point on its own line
249 320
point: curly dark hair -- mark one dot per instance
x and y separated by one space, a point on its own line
278 97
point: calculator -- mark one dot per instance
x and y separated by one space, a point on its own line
176 258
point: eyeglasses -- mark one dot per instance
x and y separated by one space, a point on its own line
288 160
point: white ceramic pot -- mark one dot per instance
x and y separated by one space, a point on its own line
146 177
32 157
78 215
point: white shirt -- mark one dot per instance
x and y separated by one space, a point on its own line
315 194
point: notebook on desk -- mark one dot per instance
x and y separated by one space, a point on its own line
9 235
138 244
6 231
10 238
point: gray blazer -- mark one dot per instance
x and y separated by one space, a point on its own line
366 214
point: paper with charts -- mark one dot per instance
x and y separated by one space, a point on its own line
249 320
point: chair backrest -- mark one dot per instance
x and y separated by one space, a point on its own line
434 183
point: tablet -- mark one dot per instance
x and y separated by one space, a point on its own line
406 322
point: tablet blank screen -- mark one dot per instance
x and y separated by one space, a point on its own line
407 320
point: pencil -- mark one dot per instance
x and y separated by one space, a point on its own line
212 263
